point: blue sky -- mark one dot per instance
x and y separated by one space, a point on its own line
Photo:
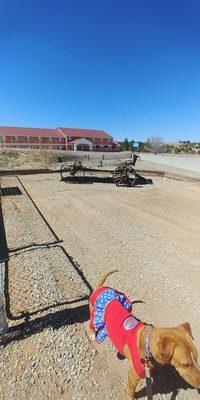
131 68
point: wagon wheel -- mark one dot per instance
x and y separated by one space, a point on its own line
124 175
69 169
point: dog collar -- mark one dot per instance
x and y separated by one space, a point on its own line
149 356
147 345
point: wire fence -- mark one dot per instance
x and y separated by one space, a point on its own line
95 156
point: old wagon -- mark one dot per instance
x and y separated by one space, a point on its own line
123 175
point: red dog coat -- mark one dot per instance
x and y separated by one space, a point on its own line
121 327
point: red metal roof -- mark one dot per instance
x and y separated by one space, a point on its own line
19 131
58 132
84 133
76 140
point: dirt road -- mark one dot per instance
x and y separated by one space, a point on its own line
188 163
150 233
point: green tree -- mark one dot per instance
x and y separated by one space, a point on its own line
125 145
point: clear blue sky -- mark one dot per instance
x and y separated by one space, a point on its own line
131 68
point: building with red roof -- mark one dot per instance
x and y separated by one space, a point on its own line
57 139
88 140
32 138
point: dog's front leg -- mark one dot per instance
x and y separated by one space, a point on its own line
91 327
132 384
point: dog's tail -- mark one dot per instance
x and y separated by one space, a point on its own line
104 277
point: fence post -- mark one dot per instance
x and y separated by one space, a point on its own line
3 319
132 157
4 257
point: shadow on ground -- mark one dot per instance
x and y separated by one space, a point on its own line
165 380
54 320
89 180
70 260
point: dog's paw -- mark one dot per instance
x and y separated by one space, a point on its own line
92 336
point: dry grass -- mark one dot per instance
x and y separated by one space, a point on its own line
26 159
32 159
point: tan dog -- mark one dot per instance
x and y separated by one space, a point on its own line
167 345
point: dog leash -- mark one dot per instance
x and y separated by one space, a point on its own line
148 382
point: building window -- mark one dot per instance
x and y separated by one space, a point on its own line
1 138
45 139
14 138
33 139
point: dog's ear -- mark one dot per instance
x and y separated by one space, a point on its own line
187 328
165 349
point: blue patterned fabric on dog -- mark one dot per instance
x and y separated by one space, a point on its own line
100 306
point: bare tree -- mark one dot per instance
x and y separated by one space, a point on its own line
156 144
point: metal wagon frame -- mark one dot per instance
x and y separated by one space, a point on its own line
123 175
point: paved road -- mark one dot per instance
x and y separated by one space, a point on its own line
190 163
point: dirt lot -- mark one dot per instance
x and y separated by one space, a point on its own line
150 233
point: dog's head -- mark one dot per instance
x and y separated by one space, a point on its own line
175 346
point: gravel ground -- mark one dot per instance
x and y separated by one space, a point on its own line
151 233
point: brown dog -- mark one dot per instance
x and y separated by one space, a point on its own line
166 345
